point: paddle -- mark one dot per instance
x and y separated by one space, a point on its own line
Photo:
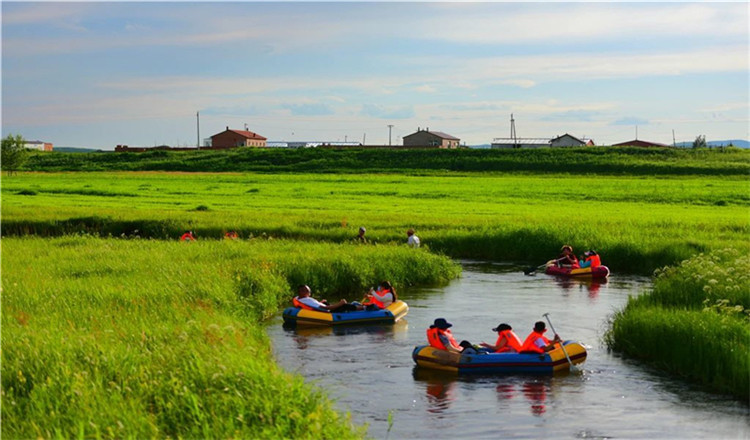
572 367
531 270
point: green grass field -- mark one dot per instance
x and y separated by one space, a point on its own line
636 223
140 338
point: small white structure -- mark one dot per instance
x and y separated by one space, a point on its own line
566 140
520 143
38 145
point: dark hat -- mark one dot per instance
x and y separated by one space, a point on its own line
540 326
502 327
441 323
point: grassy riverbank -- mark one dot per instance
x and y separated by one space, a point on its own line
695 323
144 338
637 224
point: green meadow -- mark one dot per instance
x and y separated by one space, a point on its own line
113 328
139 338
636 223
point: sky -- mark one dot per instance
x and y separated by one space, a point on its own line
100 74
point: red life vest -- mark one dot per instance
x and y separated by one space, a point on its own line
513 343
379 297
187 236
301 305
528 344
595 261
433 336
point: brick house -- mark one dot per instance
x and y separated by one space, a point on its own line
237 138
427 138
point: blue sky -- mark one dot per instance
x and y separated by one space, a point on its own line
99 74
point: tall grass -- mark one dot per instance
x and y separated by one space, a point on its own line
141 338
695 322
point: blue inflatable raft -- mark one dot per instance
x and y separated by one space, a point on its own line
389 315
551 362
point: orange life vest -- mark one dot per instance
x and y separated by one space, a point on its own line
379 297
301 305
433 336
595 261
528 344
513 342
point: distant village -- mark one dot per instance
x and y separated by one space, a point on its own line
422 138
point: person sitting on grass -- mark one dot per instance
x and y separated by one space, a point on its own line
361 236
590 259
187 236
507 341
303 300
536 342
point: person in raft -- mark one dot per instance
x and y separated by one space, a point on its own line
381 298
507 341
187 236
566 258
536 342
303 300
590 259
439 336
361 237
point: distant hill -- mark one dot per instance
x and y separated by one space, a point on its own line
739 143
74 150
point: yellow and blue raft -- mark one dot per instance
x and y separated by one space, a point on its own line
389 315
551 362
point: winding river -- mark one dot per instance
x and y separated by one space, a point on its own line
370 373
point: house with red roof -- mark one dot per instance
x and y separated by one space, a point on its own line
639 143
237 138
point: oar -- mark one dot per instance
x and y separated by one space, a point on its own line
572 367
531 270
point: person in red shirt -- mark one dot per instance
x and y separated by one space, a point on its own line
188 236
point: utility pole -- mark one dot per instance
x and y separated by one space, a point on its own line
674 142
198 122
390 126
513 131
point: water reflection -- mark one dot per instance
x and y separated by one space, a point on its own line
590 286
303 335
439 388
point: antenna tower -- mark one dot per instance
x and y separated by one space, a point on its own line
513 131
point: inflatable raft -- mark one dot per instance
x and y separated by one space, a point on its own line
389 315
554 361
586 272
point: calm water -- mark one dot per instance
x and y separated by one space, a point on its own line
369 371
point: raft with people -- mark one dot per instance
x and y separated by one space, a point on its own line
389 315
576 272
554 361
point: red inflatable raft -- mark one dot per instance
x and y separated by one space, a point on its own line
586 272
